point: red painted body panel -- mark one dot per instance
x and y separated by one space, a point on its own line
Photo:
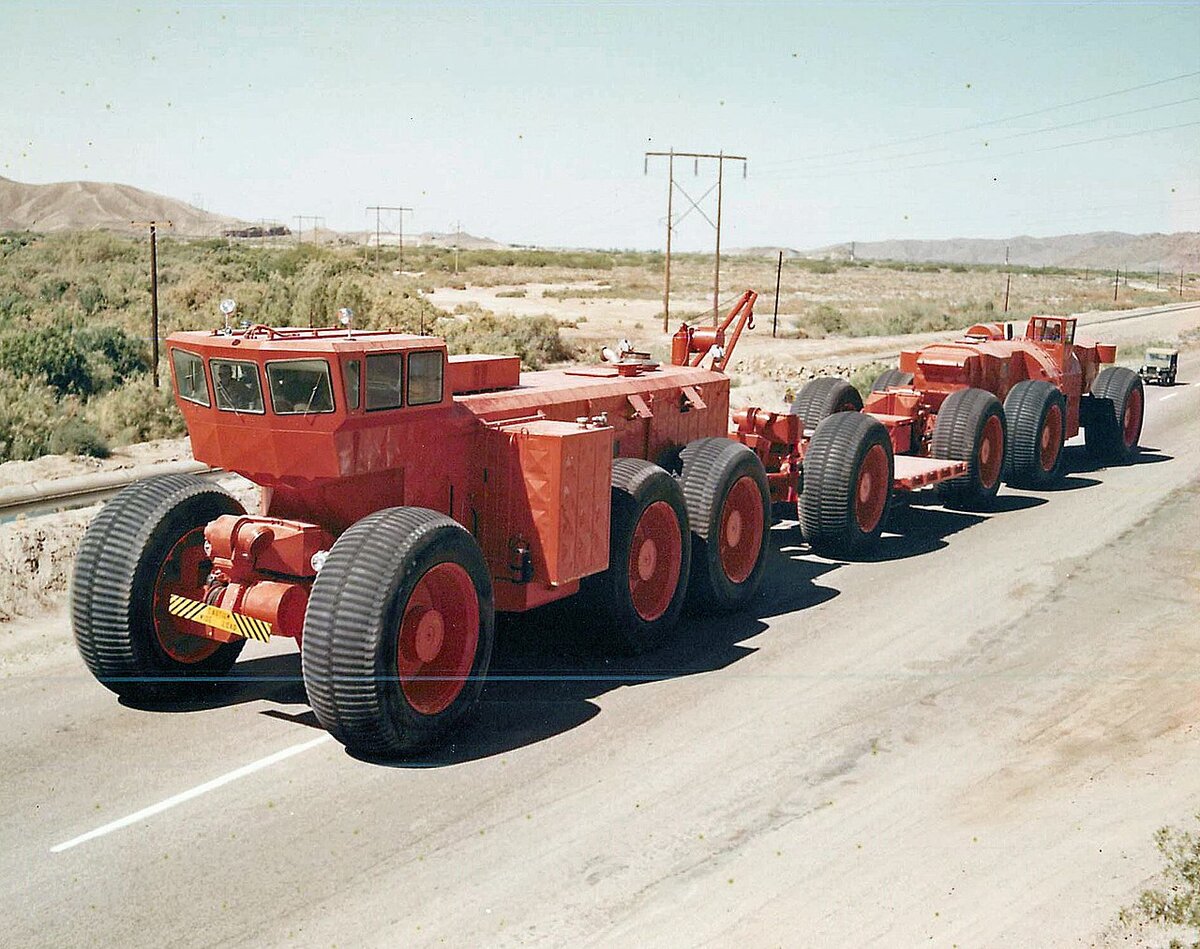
543 484
986 359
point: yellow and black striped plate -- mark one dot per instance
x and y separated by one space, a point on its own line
245 626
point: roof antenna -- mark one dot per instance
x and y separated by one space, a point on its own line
345 316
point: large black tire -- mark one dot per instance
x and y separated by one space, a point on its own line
642 592
1036 413
970 427
891 377
848 473
822 397
1113 423
729 509
373 597
122 557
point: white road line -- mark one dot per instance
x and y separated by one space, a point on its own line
1171 396
190 794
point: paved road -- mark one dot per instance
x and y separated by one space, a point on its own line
969 740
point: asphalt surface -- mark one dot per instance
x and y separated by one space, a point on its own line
968 740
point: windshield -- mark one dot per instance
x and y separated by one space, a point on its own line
300 386
237 386
1158 359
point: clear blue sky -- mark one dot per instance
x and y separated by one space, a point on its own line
528 121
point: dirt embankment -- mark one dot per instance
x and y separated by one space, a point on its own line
37 553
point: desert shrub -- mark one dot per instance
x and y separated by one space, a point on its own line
51 355
126 355
14 305
514 294
77 436
862 376
1177 903
53 289
28 412
91 298
136 412
535 339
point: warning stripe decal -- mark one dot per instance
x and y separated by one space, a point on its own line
245 626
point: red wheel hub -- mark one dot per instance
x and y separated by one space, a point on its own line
439 635
1050 444
991 451
740 540
1131 424
871 489
184 572
655 560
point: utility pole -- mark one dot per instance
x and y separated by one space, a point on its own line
1007 278
778 275
1158 278
457 241
154 225
377 208
721 158
1181 283
300 219
1116 283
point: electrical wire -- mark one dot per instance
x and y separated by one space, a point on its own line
984 124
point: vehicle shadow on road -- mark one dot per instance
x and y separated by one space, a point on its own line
269 678
550 665
1078 460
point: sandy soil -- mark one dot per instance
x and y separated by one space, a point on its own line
50 467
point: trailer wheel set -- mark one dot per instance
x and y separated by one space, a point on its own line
388 543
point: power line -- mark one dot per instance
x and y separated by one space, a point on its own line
978 125
975 158
1005 138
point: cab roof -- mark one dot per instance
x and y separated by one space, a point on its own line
294 339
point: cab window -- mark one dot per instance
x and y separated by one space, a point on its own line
300 386
189 377
385 377
425 378
351 376
237 386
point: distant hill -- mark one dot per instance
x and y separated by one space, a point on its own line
1101 249
94 205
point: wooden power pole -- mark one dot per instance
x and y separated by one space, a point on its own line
377 208
154 226
721 158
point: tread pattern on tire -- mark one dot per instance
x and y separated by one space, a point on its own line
346 629
105 605
1103 432
710 467
1025 409
891 377
636 484
831 466
958 425
822 397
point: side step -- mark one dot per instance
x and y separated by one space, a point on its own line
912 473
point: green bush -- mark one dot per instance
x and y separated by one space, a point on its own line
136 412
535 339
52 355
73 361
77 436
91 298
28 412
